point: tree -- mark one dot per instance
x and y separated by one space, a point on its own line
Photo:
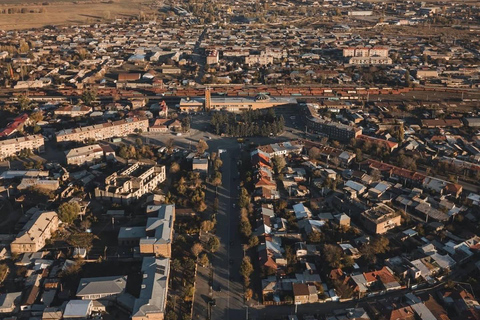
245 227
246 267
217 164
213 244
174 168
207 226
244 198
36 116
217 179
68 212
23 102
138 142
278 163
88 96
201 146
315 237
253 241
196 249
170 144
248 294
203 259
314 153
408 82
333 255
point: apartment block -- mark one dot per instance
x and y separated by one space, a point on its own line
35 232
380 219
104 131
260 59
11 147
365 52
159 231
132 183
84 155
152 300
332 129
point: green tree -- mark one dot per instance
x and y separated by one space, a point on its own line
23 102
278 163
68 212
88 96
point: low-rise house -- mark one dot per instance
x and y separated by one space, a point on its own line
101 287
9 302
152 300
36 232
78 309
304 293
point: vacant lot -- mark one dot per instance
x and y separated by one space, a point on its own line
64 13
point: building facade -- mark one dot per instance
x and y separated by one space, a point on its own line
11 147
132 183
152 300
380 219
84 155
104 131
35 232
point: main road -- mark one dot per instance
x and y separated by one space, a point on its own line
227 287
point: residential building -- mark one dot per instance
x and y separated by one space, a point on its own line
35 232
73 111
101 287
380 219
159 231
132 183
304 293
9 301
259 59
84 155
104 131
152 300
200 165
78 309
11 147
332 129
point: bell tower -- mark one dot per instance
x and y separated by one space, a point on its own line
207 99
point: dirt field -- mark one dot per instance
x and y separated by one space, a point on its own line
63 13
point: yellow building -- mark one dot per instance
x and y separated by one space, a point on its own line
232 104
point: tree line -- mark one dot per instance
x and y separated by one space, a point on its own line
249 123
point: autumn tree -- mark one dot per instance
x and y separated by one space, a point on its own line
201 146
196 249
213 244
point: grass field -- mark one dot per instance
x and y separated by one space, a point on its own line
65 13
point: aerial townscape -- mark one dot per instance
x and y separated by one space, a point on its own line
230 160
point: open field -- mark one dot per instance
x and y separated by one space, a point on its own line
64 13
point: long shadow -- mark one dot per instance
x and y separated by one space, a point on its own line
90 16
